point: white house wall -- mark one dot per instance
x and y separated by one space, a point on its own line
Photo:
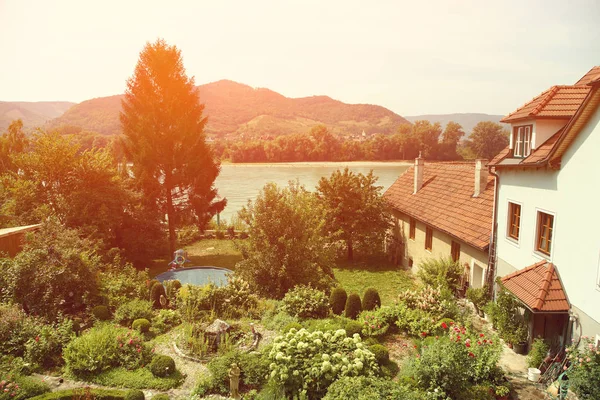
572 194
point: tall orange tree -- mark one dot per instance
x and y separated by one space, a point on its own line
163 125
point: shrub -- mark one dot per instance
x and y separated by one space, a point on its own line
16 329
239 296
193 302
306 302
436 301
156 291
141 325
276 319
373 324
171 288
309 362
254 368
120 283
135 395
478 296
291 325
362 388
353 306
132 310
441 272
101 313
338 300
165 320
352 327
509 320
45 350
17 387
371 299
87 393
187 235
585 370
162 366
103 347
382 355
539 351
161 396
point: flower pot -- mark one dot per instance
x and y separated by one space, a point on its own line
520 348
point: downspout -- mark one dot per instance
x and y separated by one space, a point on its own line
491 273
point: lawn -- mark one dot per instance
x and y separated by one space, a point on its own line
214 252
377 273
355 276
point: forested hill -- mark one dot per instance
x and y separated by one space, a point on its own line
467 121
33 114
235 109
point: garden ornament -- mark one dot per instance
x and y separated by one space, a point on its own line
180 257
234 381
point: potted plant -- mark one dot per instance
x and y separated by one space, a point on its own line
501 392
519 339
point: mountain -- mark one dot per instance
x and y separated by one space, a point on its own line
33 114
234 109
467 121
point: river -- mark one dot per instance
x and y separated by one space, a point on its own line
242 182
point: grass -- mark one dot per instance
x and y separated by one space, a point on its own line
140 378
214 252
373 272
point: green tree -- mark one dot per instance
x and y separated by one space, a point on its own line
427 136
164 135
12 142
453 133
406 140
488 139
355 211
285 246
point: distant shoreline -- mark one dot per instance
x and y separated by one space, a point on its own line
321 164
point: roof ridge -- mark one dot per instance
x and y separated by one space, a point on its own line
544 287
551 92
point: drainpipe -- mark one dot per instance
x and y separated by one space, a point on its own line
491 273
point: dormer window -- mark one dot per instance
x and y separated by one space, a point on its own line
522 140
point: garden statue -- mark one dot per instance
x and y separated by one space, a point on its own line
163 301
256 336
234 381
180 257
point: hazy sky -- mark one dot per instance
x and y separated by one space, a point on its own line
413 57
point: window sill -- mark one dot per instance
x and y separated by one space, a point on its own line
428 250
542 256
513 241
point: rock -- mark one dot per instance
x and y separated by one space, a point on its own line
217 327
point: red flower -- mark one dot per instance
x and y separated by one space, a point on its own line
423 334
451 323
471 355
37 338
481 335
468 344
444 325
479 342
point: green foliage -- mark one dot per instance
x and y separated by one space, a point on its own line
286 246
584 376
276 319
104 347
488 139
132 310
438 302
371 299
373 323
355 211
16 329
254 368
367 388
353 306
478 296
291 325
306 363
135 395
82 393
442 272
166 319
140 378
45 350
537 353
337 300
120 283
18 387
169 139
382 355
509 320
161 396
156 291
55 272
101 313
162 366
171 288
306 302
141 325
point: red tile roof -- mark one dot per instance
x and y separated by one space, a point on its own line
556 102
591 76
538 287
446 201
537 155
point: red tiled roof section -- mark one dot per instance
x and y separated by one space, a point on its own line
591 76
446 201
556 102
536 155
538 287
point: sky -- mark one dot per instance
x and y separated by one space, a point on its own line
413 57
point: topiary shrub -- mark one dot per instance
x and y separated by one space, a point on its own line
135 395
382 355
371 300
101 313
351 327
337 300
306 302
162 366
161 396
353 306
156 291
132 310
141 325
149 285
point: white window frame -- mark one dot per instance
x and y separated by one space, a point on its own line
522 143
540 255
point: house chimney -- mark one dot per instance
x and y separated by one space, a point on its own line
481 177
419 166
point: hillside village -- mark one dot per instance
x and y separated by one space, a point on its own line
465 280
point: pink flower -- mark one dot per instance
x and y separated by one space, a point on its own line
130 341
